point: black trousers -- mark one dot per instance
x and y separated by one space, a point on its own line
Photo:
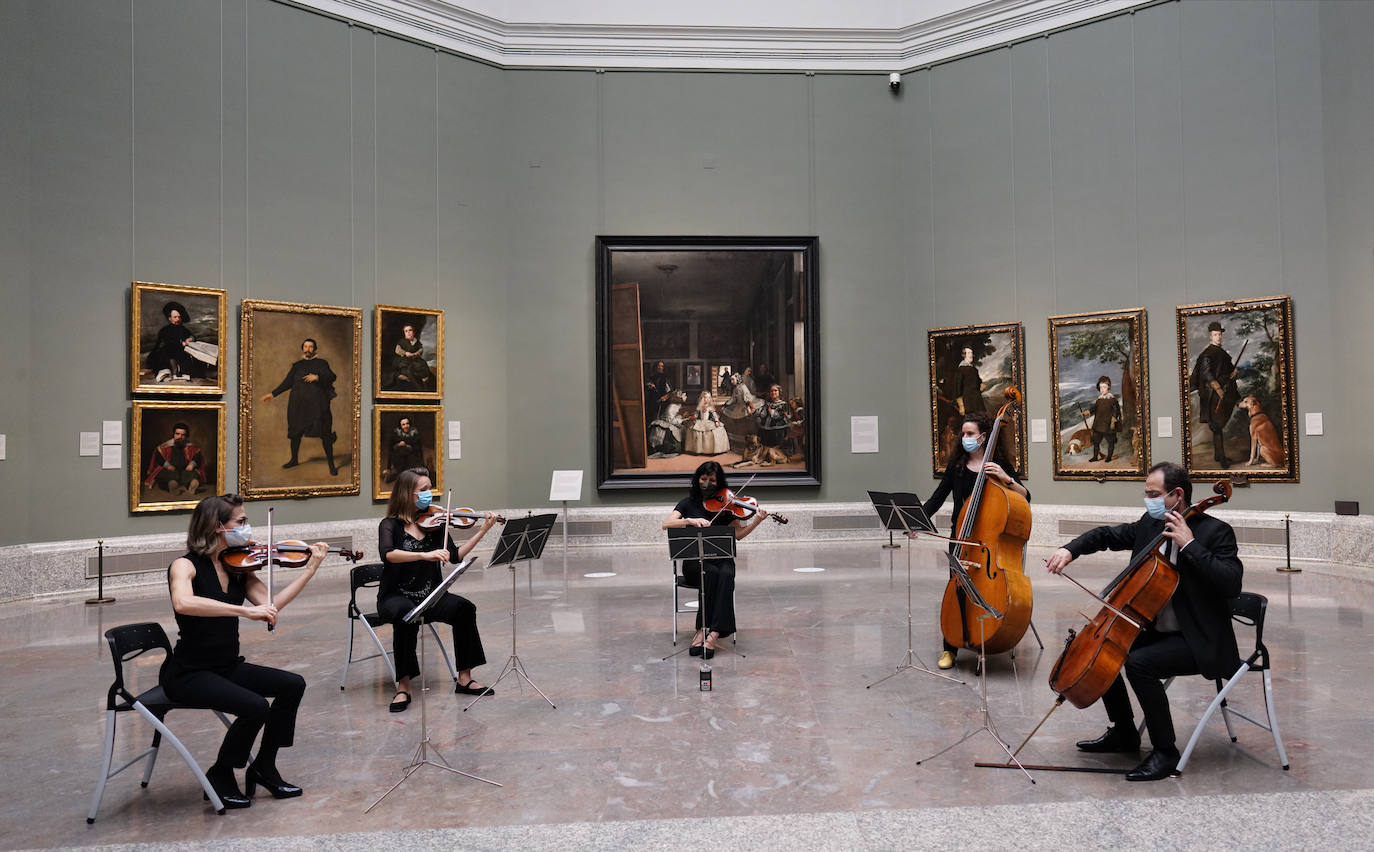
1219 443
719 595
241 690
451 609
1153 658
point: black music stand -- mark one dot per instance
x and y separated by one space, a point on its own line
700 544
902 511
522 540
976 598
421 757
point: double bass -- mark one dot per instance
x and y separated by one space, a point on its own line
993 526
1093 656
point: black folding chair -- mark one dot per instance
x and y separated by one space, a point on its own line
126 643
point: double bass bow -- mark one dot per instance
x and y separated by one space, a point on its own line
993 527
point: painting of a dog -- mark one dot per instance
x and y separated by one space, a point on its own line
1264 438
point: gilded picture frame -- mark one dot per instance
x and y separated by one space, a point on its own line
407 367
273 368
165 477
1237 384
1100 429
998 359
176 339
394 451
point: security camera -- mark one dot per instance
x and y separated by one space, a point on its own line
894 82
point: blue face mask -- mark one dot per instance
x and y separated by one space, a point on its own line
1155 506
424 499
239 536
970 444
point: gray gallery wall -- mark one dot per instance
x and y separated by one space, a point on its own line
1189 152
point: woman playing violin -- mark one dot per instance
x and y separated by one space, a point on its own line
205 669
961 472
719 593
411 557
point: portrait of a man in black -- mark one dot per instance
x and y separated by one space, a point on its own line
310 381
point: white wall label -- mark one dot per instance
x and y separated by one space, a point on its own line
455 449
2 447
1040 433
90 443
566 485
112 432
1313 422
863 434
112 457
455 430
1166 428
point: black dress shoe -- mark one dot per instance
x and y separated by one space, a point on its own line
290 464
1118 738
270 779
226 788
694 651
1158 766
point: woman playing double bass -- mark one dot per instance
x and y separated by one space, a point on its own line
1192 633
961 473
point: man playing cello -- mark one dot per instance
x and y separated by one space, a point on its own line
1192 633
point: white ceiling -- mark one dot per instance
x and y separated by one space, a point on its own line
875 36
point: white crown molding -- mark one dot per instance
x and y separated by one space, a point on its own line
719 48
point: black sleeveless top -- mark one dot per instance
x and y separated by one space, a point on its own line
210 641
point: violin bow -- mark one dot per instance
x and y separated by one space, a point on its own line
448 515
271 628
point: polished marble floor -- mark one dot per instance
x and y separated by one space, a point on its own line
788 736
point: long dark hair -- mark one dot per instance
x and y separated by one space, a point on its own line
703 469
401 504
983 420
209 515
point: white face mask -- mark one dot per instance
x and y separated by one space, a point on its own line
970 443
1155 506
238 536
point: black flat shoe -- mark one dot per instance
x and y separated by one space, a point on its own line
400 706
708 653
694 651
1158 766
469 689
1118 738
227 788
271 781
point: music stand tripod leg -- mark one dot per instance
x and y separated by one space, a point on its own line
910 658
513 663
421 756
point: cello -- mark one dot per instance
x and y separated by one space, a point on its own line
1093 656
993 527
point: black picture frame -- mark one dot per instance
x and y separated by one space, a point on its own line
758 298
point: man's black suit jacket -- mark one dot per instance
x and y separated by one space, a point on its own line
1209 577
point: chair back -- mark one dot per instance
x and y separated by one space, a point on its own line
127 642
1248 608
362 577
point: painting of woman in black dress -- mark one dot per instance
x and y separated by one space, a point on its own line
177 344
407 353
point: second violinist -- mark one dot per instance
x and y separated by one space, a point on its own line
961 473
411 557
719 593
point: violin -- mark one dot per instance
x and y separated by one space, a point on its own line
1093 656
994 524
288 554
727 501
434 518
